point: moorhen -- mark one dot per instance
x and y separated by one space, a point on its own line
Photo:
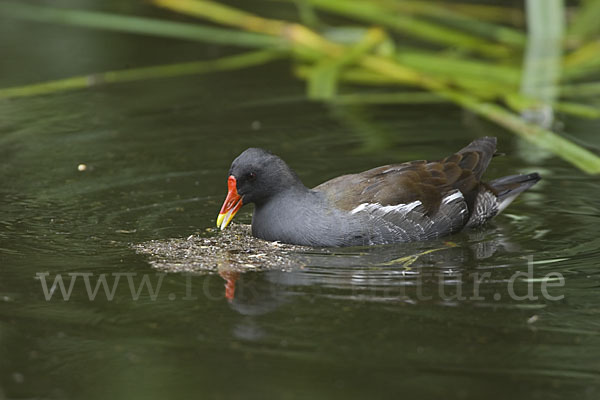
416 200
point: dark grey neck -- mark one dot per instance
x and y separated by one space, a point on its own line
287 187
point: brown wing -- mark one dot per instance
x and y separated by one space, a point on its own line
405 183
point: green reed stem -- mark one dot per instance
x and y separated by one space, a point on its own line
435 33
136 74
138 25
586 23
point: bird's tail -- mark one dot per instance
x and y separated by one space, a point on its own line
509 187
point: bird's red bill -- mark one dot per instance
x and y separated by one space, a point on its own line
232 204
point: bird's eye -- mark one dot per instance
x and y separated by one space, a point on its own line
251 176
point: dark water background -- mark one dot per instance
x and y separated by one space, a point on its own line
346 325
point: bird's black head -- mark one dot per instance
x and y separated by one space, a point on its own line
259 175
255 176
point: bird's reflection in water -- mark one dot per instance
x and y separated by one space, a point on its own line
437 271
251 295
231 278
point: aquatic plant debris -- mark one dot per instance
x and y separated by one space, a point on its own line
234 249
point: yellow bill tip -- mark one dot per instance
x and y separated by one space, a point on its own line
224 219
220 219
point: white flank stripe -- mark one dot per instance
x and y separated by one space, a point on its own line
452 197
359 208
400 207
404 208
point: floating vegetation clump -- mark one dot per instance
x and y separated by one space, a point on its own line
232 250
515 67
